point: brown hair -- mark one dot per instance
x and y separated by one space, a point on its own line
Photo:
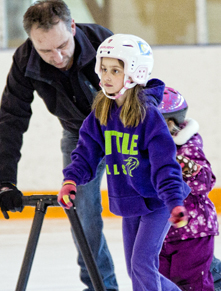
173 128
46 14
132 112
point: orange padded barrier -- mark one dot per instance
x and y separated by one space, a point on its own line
58 212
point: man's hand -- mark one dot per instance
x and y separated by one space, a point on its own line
178 217
66 193
10 199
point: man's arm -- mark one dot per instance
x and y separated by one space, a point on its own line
15 113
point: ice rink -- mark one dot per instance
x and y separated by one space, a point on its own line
54 266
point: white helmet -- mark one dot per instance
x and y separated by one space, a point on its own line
134 52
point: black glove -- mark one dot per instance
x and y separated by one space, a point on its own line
10 199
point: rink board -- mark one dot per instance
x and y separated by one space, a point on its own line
58 212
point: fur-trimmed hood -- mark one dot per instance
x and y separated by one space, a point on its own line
188 129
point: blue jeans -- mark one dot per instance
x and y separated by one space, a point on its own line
88 205
215 269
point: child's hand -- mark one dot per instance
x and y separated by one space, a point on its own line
66 193
178 217
189 167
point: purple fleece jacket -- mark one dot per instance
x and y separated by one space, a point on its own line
202 217
141 167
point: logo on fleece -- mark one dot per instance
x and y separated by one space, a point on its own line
132 163
125 144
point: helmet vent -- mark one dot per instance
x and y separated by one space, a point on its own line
108 52
128 45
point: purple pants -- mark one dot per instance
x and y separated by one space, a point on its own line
143 238
187 263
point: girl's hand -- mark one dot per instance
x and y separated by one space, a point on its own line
178 217
66 194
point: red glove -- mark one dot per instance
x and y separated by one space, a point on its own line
66 193
178 217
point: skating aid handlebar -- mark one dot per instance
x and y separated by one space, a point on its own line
41 202
33 200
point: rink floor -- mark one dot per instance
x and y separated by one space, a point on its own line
54 267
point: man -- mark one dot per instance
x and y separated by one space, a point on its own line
57 61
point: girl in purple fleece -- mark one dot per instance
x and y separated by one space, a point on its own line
187 252
145 184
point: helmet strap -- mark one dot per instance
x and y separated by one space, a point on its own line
127 85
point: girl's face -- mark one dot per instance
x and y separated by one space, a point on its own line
112 75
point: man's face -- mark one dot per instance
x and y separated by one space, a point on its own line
56 45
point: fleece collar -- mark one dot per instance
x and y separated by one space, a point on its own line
188 129
153 92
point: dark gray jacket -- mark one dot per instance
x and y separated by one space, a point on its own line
30 73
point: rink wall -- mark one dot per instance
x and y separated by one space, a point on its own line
193 70
58 212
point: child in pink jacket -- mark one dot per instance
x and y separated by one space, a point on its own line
187 252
